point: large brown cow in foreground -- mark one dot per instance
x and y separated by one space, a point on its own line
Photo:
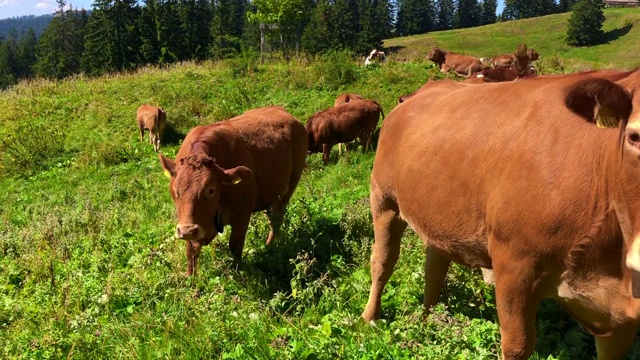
531 189
230 169
461 64
154 119
340 124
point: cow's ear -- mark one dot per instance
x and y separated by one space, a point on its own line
599 101
168 165
236 175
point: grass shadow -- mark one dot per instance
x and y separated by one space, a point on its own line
394 49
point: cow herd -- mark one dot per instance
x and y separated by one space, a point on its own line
506 67
525 180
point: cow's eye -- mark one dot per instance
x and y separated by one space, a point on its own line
210 191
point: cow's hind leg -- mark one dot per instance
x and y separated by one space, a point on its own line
388 229
616 345
517 300
435 271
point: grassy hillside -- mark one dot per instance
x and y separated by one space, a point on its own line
546 34
89 267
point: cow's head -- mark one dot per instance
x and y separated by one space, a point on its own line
436 55
610 104
196 184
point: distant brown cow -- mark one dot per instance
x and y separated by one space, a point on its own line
519 68
461 64
154 119
532 189
228 170
344 123
507 60
345 98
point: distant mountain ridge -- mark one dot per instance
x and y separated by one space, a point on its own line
22 23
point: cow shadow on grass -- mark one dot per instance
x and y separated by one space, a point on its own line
171 135
614 34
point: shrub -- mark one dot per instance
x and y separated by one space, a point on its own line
585 23
336 69
32 149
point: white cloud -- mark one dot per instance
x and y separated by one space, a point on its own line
42 5
8 3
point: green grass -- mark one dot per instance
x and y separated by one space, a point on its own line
89 267
546 34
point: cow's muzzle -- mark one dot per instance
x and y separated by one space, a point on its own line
189 232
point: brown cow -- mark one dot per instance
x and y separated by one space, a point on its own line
154 119
345 98
533 190
461 64
507 60
520 68
225 171
344 123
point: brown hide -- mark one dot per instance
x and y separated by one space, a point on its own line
507 60
225 171
356 119
519 68
533 190
345 98
461 64
154 119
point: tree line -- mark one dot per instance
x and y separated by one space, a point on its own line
121 35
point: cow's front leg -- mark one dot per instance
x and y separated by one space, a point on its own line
616 345
517 300
193 252
239 225
326 151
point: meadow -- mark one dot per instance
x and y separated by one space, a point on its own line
89 266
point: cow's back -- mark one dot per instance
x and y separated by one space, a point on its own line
465 172
269 141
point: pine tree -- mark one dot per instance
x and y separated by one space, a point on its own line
26 54
317 37
113 40
7 65
565 5
415 17
150 44
488 15
585 24
375 24
59 50
226 27
467 14
446 12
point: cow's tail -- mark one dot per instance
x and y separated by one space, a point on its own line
379 108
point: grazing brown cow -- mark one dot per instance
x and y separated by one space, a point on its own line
228 170
533 190
507 60
154 119
345 98
461 64
355 119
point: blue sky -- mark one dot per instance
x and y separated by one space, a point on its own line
11 8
